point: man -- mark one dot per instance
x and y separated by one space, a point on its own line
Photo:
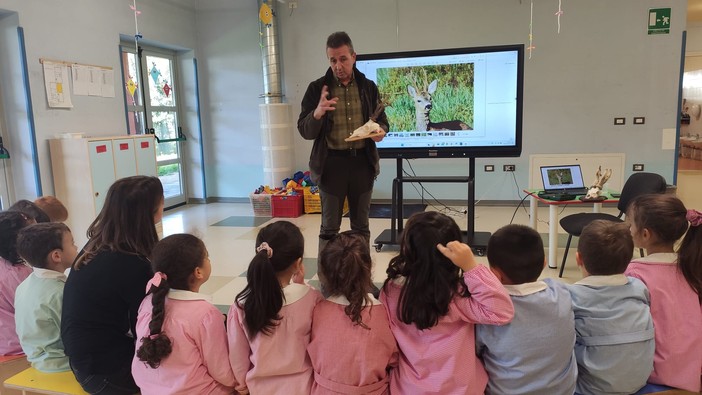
332 108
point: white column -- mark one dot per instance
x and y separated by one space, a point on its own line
276 142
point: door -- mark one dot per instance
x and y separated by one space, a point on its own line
152 106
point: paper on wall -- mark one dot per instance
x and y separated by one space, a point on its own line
107 82
81 78
56 82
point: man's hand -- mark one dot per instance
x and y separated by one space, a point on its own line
324 104
379 137
459 253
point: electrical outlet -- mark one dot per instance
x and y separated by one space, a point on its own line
489 168
508 168
620 121
638 167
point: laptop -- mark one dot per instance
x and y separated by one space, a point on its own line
564 180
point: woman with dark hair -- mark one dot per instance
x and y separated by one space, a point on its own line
106 286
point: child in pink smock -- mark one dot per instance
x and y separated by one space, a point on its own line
352 348
13 271
433 309
269 323
674 281
182 346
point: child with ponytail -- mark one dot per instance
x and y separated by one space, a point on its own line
359 364
435 294
270 321
182 346
674 280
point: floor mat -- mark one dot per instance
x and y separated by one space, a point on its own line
384 210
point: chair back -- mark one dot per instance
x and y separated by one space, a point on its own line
640 184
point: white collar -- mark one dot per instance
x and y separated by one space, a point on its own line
342 300
659 257
294 292
179 294
526 288
603 281
48 273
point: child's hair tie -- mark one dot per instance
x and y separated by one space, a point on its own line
154 336
265 246
156 280
694 216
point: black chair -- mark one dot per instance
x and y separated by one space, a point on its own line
637 184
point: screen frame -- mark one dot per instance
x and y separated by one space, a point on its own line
514 150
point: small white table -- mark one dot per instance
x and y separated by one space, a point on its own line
553 207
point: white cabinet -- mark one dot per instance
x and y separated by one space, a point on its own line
84 169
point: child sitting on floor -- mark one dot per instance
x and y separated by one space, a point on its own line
434 295
361 362
50 249
183 342
272 316
13 271
545 363
53 207
614 345
674 280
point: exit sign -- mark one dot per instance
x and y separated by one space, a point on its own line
658 20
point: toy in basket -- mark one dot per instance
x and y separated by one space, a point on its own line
313 203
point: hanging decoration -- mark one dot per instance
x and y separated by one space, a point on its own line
137 35
131 87
531 30
154 72
558 15
166 89
265 14
265 17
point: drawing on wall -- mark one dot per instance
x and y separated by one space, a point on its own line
56 81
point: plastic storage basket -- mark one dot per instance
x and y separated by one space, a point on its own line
287 206
261 204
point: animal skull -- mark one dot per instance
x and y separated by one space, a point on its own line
595 190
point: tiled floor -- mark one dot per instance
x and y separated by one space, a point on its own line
229 231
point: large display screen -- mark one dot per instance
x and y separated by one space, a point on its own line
461 102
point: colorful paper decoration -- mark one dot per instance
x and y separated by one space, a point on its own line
265 14
155 73
131 87
166 89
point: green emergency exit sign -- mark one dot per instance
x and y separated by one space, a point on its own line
658 20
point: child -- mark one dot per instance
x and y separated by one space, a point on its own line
674 281
269 323
352 348
106 286
539 341
50 249
183 340
53 207
614 345
30 210
12 272
433 309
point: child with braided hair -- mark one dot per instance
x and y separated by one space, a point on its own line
269 323
352 347
674 280
182 346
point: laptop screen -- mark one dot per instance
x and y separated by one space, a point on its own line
562 177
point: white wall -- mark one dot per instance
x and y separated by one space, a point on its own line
82 31
601 65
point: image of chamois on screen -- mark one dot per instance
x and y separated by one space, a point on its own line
560 177
428 98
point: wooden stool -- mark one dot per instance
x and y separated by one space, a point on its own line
10 365
32 381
